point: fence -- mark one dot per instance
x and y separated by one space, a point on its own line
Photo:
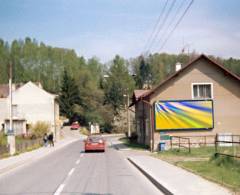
227 145
27 144
183 142
192 141
4 150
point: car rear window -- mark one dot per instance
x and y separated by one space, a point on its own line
95 139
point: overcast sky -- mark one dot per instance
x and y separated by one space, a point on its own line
104 28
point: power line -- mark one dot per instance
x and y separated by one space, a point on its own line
155 26
178 22
172 21
162 24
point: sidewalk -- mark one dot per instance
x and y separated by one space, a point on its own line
118 145
13 162
174 180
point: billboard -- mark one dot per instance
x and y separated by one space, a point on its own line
183 115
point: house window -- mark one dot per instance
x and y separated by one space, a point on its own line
202 90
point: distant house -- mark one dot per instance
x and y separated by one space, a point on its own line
30 103
201 79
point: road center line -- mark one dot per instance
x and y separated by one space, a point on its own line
78 161
71 172
59 190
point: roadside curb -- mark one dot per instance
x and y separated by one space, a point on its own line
153 180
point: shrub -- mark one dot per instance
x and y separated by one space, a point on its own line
40 128
3 138
133 137
224 161
84 131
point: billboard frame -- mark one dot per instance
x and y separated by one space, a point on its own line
185 129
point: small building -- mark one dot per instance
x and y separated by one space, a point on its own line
30 104
201 79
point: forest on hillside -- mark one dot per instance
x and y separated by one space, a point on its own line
98 89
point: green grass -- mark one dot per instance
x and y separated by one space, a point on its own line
203 161
227 174
202 152
133 145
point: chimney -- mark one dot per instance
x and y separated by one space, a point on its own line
178 66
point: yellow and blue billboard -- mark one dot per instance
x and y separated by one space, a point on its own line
184 115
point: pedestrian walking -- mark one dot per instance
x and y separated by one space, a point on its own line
50 139
45 139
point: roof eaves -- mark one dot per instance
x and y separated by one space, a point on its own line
185 67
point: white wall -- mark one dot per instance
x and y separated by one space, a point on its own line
34 104
3 111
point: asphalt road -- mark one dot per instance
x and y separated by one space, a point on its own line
70 171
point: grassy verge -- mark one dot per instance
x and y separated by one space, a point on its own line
202 161
133 145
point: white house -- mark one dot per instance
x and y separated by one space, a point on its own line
30 104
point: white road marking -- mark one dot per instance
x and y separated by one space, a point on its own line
71 172
81 155
59 190
78 161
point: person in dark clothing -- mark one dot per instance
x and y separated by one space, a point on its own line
50 139
45 139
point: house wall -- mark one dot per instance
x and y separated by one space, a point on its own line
35 104
226 97
19 126
3 111
142 118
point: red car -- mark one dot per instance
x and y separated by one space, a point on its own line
75 126
94 143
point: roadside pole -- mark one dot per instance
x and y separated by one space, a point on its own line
128 117
11 133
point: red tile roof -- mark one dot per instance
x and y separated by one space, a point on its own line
4 90
139 92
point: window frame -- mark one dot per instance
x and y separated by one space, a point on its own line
202 83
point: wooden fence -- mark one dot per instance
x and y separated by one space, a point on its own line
22 146
228 145
188 142
183 142
4 150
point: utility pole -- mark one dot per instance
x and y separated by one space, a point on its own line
128 115
11 134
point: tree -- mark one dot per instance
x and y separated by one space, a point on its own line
143 73
69 96
118 83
